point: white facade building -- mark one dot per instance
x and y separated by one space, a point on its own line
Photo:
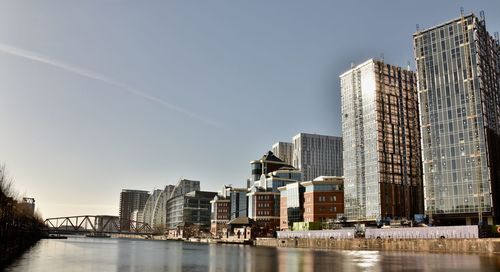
317 155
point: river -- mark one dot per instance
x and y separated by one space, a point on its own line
98 254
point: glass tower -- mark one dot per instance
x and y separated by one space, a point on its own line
459 97
382 169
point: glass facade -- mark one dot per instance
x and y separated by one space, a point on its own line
381 136
256 170
294 194
323 188
360 150
238 203
191 208
457 65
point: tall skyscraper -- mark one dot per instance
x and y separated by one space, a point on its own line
131 200
317 155
380 127
458 83
284 151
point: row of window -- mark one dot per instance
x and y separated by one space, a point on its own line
321 199
321 209
263 197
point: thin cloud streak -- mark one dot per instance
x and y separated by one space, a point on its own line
15 51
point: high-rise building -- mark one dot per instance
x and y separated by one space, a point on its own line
317 155
131 200
380 127
284 151
459 95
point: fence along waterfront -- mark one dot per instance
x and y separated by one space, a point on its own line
452 232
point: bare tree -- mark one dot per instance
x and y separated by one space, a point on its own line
7 184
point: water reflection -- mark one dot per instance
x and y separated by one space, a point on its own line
85 254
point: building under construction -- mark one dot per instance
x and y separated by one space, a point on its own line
380 125
459 95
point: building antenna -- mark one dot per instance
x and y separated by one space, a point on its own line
382 57
481 15
408 67
418 27
462 11
497 38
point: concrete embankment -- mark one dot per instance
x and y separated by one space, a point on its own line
417 245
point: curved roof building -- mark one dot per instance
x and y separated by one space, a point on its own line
160 209
147 215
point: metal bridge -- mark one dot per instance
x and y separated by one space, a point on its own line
83 224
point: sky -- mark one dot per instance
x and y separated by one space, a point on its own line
101 95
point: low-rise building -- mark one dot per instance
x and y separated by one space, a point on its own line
190 212
264 198
238 202
323 199
291 205
220 215
263 208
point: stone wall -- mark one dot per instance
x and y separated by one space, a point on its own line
427 245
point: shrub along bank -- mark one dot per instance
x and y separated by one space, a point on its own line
20 228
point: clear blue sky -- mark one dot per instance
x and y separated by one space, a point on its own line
96 96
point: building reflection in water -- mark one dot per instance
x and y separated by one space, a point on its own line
84 254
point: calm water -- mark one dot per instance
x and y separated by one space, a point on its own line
88 254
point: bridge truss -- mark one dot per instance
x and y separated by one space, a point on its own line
95 224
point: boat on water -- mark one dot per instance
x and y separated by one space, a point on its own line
55 236
98 235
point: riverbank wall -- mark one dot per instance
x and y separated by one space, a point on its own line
14 243
482 246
